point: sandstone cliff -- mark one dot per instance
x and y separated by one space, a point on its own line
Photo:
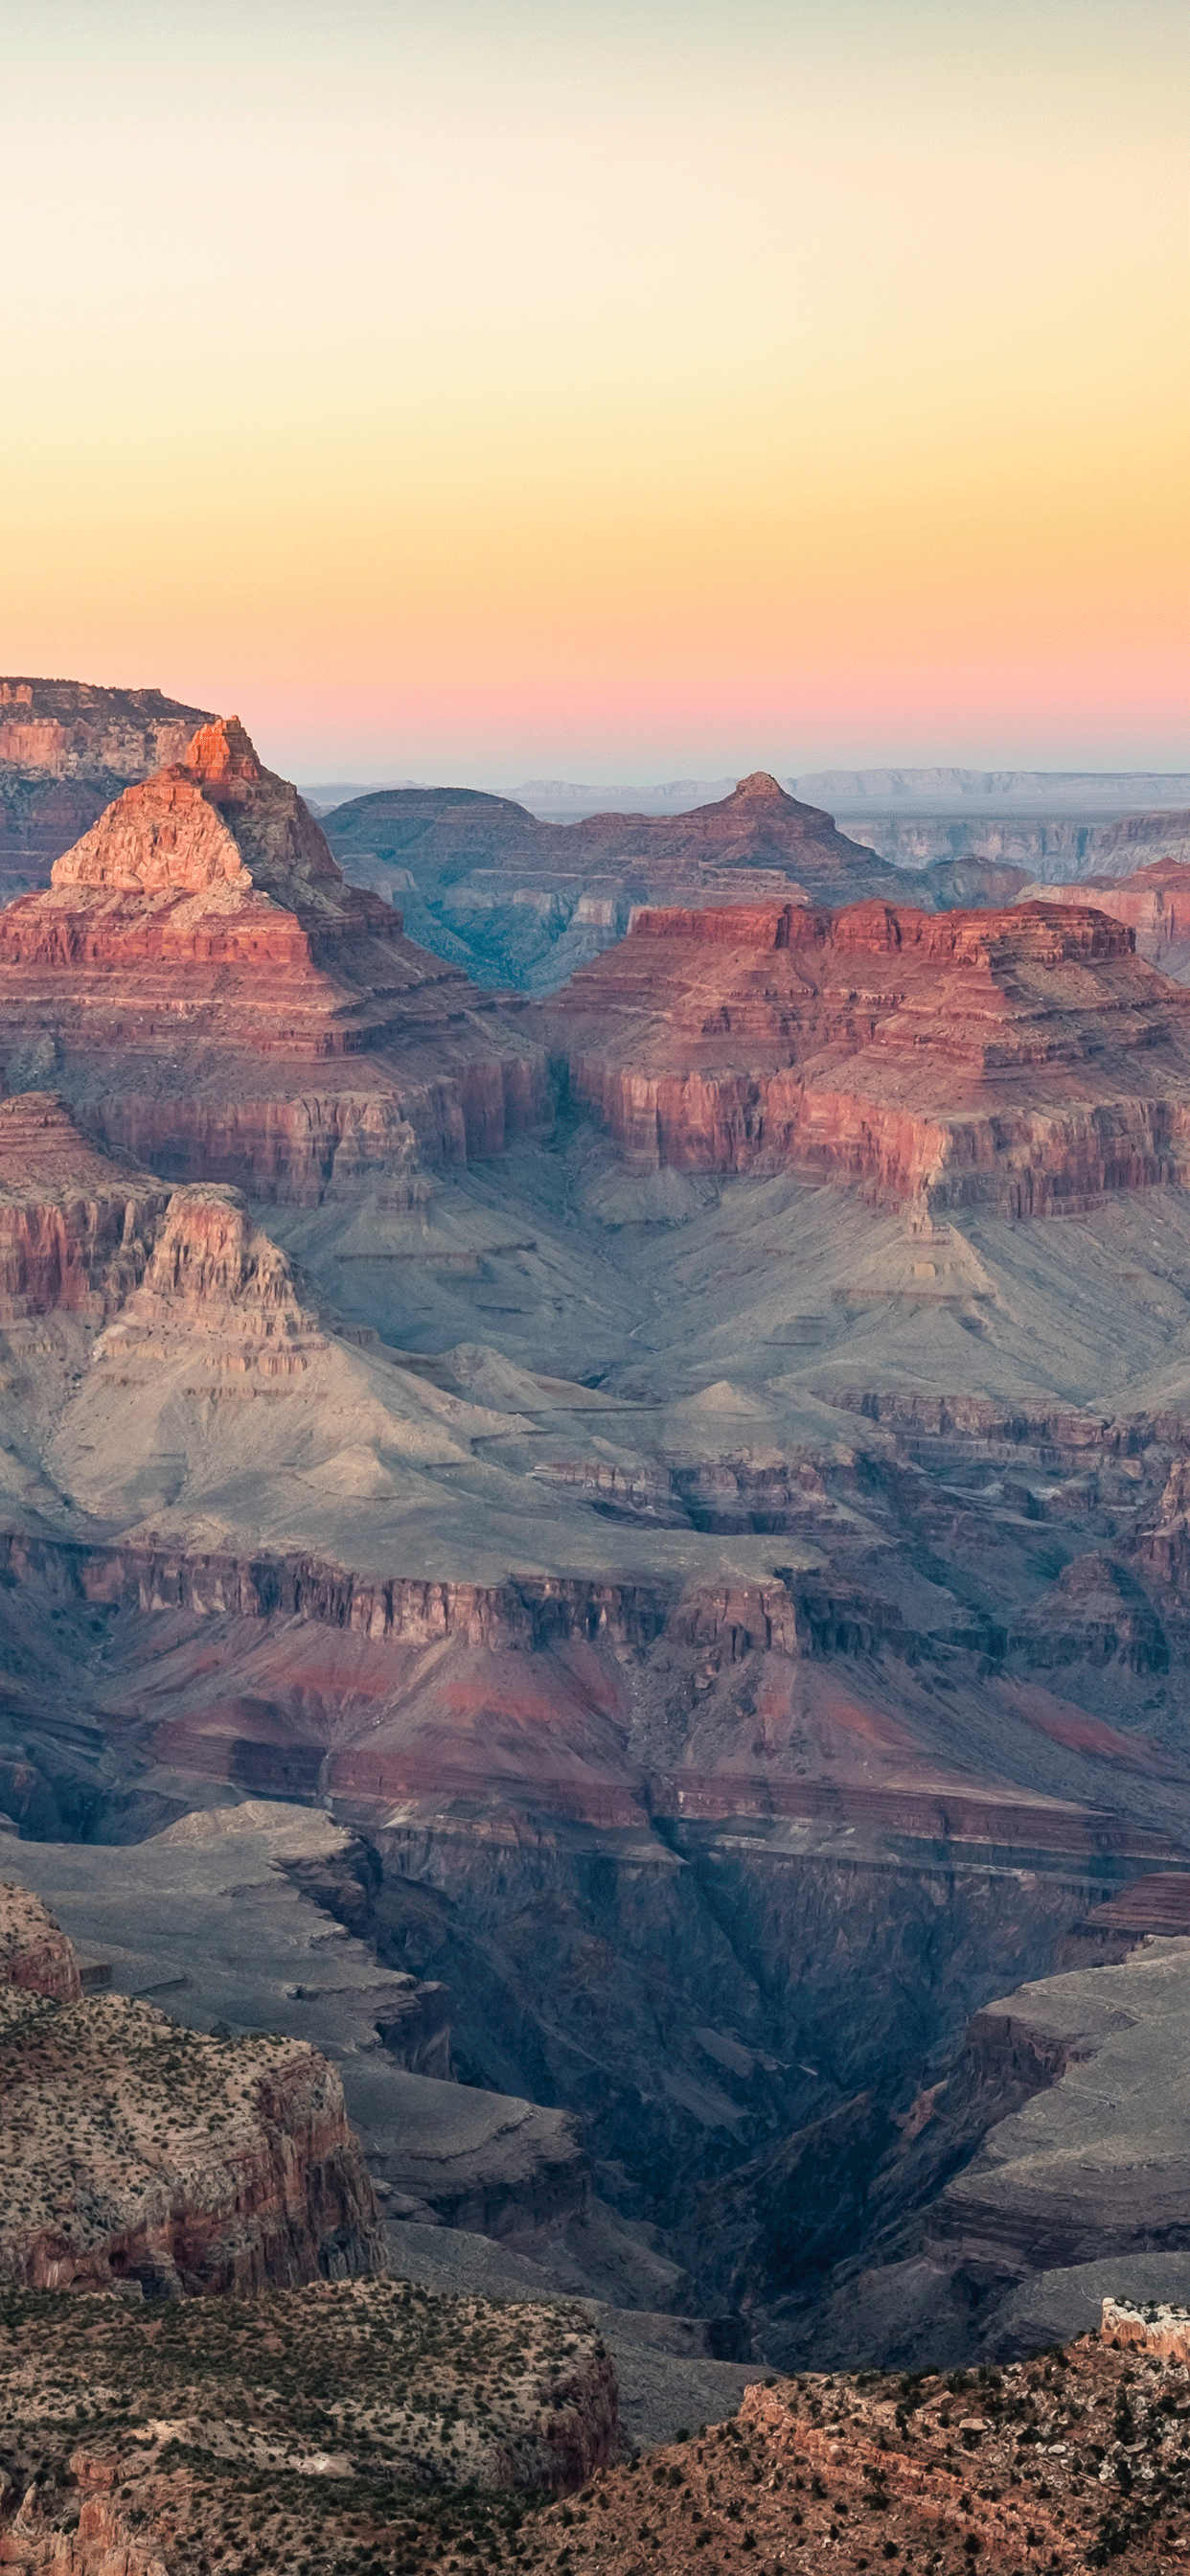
1025 1060
215 1001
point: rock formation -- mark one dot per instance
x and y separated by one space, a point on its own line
34 1951
65 750
215 1001
315 2428
136 2150
1024 1060
527 902
1154 901
1073 2460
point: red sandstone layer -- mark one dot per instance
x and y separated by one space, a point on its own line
1026 1060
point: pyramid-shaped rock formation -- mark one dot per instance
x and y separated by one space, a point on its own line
1026 1059
198 954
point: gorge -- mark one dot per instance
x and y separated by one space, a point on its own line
679 1489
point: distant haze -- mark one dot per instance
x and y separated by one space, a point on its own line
848 792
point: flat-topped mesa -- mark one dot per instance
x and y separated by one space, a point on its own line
73 729
201 925
1025 1059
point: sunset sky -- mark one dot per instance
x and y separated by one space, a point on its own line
485 389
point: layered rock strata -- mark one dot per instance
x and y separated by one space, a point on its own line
214 1000
1025 1060
1153 900
135 2150
1094 2167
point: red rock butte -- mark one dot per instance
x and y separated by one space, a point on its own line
198 953
1026 1060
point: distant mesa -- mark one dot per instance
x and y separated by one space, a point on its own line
1154 901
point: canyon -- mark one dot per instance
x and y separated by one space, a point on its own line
653 1523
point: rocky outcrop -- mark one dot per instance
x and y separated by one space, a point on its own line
1024 1060
134 2150
85 1233
34 1951
1160 2331
215 1001
76 1227
1073 2459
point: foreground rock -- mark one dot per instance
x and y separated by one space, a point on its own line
66 749
1023 1060
1072 2461
323 2428
133 2150
214 1001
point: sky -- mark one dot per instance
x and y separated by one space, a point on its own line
487 389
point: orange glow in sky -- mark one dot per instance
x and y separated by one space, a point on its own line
582 389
